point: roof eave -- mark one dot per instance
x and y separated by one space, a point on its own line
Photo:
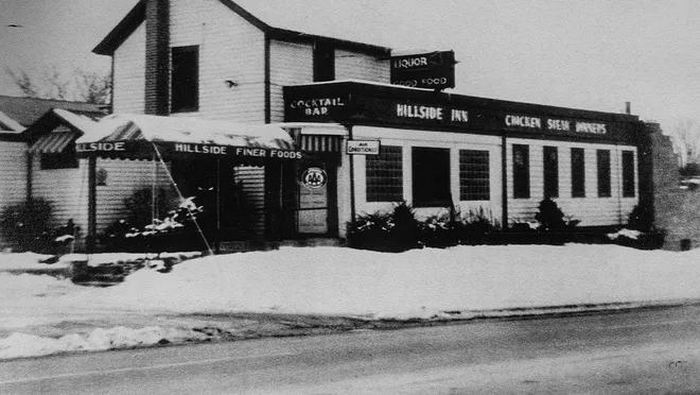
294 36
122 31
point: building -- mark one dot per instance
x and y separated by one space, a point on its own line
215 60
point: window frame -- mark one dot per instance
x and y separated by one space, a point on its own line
521 172
423 176
474 181
578 173
550 174
629 187
603 165
176 84
377 189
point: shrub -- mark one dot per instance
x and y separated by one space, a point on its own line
139 206
476 228
550 216
395 231
27 225
641 218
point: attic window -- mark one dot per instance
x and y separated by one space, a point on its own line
324 62
184 83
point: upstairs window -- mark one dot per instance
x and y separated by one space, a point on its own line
578 173
551 172
603 157
628 187
65 159
474 175
431 177
184 83
384 173
521 171
324 62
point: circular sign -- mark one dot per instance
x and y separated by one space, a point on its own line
314 178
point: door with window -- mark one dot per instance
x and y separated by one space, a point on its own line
315 198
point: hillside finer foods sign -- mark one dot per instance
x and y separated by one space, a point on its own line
434 70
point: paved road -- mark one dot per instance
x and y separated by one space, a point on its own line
632 352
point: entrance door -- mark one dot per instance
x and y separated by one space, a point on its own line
312 212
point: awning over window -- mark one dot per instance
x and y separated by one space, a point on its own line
143 136
54 142
319 143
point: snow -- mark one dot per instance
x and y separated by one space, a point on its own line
21 345
459 282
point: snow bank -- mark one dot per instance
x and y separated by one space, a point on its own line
418 283
27 261
23 345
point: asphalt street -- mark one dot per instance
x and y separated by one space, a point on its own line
640 351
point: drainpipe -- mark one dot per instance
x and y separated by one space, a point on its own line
30 175
504 181
351 158
92 205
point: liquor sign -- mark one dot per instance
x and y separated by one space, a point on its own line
434 70
363 147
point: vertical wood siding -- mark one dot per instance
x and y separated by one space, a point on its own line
130 73
590 210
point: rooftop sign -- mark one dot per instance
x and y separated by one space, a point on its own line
434 70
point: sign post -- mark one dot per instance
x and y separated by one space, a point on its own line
433 70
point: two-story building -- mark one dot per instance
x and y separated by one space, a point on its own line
366 144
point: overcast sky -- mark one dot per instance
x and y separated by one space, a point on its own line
586 54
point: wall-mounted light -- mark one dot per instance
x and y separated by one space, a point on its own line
230 83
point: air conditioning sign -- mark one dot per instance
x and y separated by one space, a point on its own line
434 70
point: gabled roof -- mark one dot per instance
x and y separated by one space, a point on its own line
27 110
276 23
9 125
79 123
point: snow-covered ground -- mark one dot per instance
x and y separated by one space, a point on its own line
456 282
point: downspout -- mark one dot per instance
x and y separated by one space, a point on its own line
92 205
351 159
268 110
30 175
504 181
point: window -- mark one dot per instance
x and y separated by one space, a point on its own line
628 188
431 177
474 175
578 173
521 171
603 173
324 62
551 172
184 83
384 173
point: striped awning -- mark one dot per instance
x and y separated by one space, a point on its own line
54 142
319 143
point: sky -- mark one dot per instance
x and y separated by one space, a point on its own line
591 54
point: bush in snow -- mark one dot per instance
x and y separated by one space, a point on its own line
28 227
477 228
395 231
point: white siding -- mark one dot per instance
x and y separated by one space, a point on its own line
130 72
358 66
230 48
416 138
290 64
13 175
67 189
591 210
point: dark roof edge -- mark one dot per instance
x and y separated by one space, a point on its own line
359 86
293 36
122 31
133 19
